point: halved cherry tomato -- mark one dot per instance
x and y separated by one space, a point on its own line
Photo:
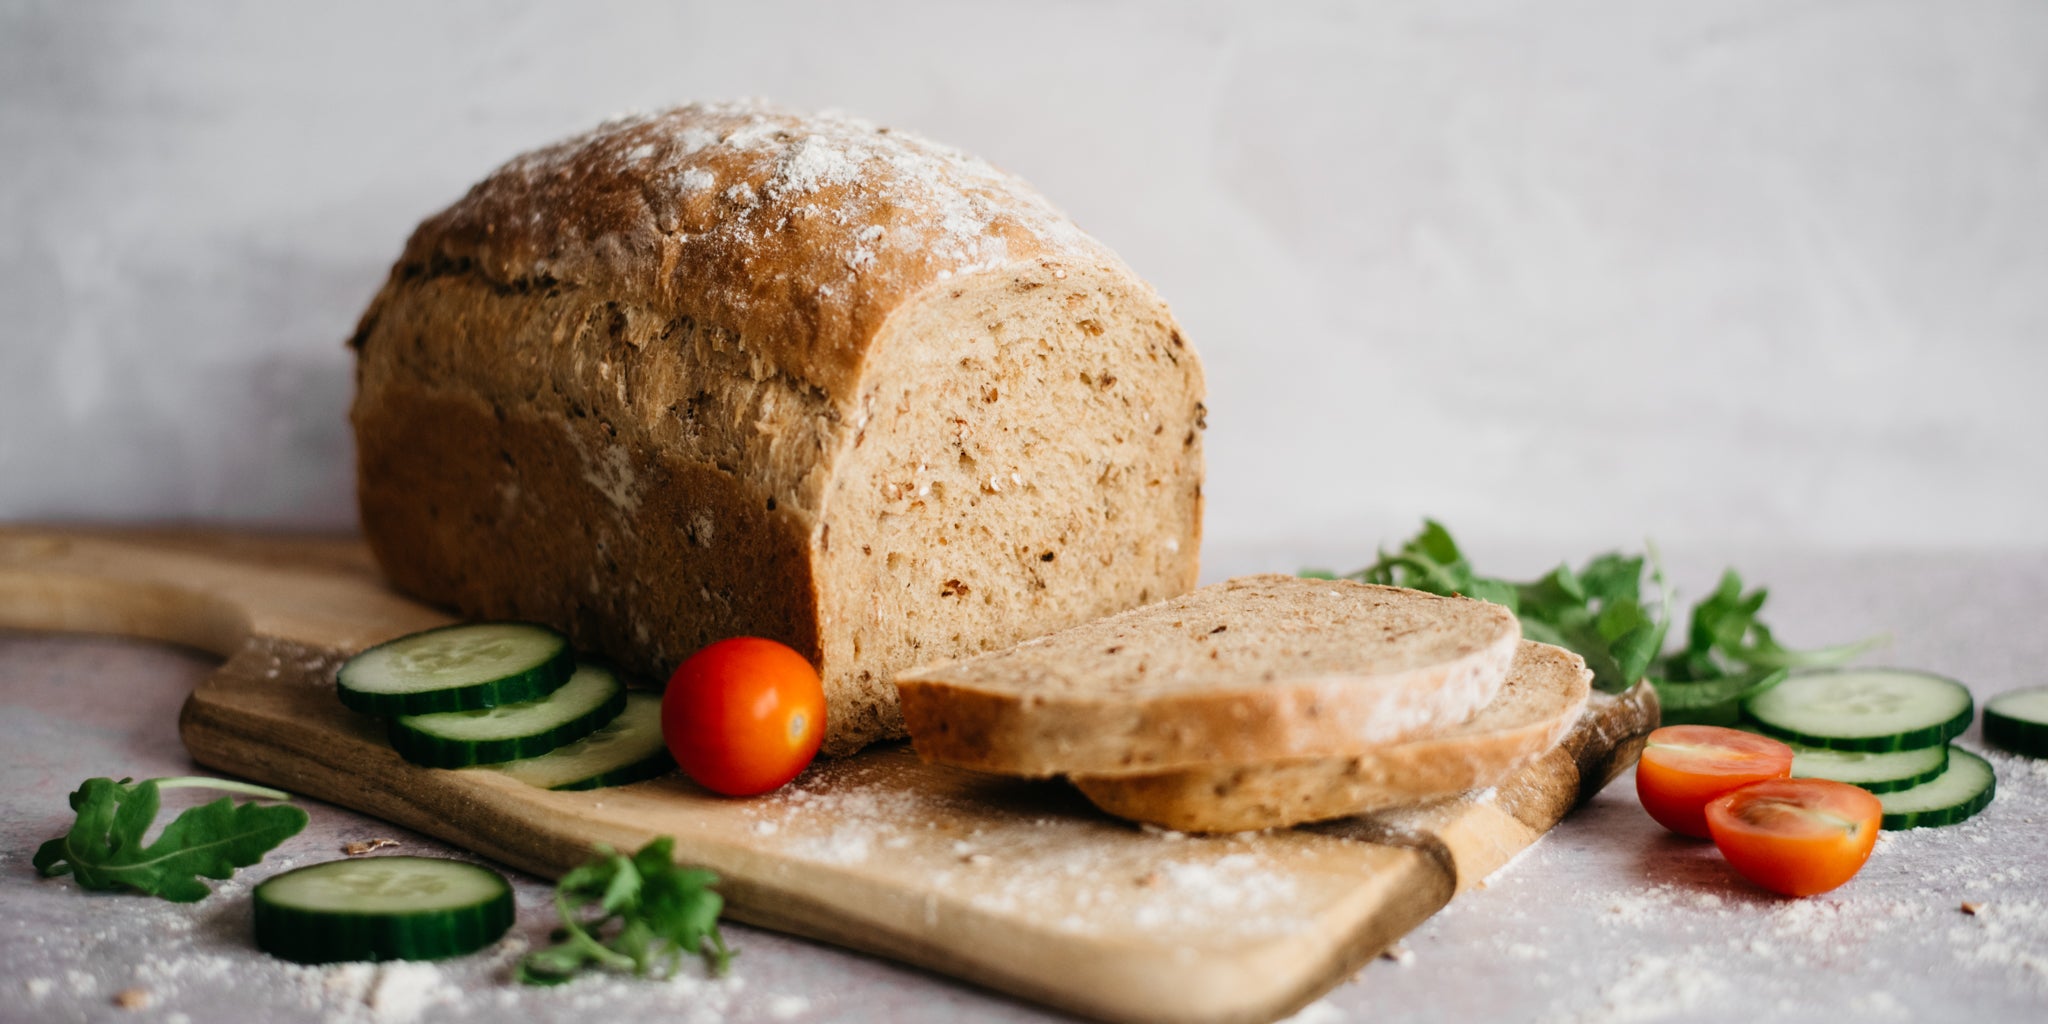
743 716
1684 766
1796 836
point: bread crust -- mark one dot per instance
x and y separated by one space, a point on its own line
978 714
800 233
617 386
1546 691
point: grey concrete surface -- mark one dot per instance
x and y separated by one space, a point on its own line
1606 920
1744 270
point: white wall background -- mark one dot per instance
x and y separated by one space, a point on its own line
1759 272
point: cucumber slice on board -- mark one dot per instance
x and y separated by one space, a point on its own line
457 668
628 749
1872 709
381 908
1876 771
2018 721
1961 791
457 739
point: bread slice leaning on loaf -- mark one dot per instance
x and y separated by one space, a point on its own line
731 370
1252 669
1545 691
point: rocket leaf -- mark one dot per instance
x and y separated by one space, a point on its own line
105 850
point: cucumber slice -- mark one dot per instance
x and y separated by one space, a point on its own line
1863 709
628 749
1963 790
457 668
2018 721
381 908
1878 772
457 739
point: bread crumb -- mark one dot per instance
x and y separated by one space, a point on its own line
1971 908
359 848
1399 954
132 999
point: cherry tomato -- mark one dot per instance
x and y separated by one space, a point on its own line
1796 836
1684 766
743 716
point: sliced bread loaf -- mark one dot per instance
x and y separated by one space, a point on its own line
1545 692
730 369
1253 669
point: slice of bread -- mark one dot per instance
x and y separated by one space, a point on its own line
1545 692
1254 669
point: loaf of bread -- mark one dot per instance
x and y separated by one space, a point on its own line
730 370
1545 691
1253 669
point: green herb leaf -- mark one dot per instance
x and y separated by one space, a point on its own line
104 849
655 911
1599 611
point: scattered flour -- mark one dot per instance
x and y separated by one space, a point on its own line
1655 988
405 991
788 1007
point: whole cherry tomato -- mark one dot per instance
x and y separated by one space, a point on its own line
743 716
1684 766
1796 836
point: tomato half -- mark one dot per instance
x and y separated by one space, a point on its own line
1796 836
1684 766
743 716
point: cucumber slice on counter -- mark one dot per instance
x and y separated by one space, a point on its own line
458 739
1873 709
628 749
381 908
457 668
2018 721
1878 772
1961 791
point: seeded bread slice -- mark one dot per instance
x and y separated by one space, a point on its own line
1253 669
1545 691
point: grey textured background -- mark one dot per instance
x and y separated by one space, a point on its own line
1761 272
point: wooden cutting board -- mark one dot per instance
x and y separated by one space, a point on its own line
1019 886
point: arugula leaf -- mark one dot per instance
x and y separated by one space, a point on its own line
1600 612
1726 641
657 910
104 848
1596 611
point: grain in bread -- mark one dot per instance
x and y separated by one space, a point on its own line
1543 695
732 370
1251 669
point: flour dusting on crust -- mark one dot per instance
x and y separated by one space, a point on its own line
752 201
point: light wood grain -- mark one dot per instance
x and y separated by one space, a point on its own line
1018 886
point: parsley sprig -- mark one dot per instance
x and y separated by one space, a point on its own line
1601 611
105 850
649 913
